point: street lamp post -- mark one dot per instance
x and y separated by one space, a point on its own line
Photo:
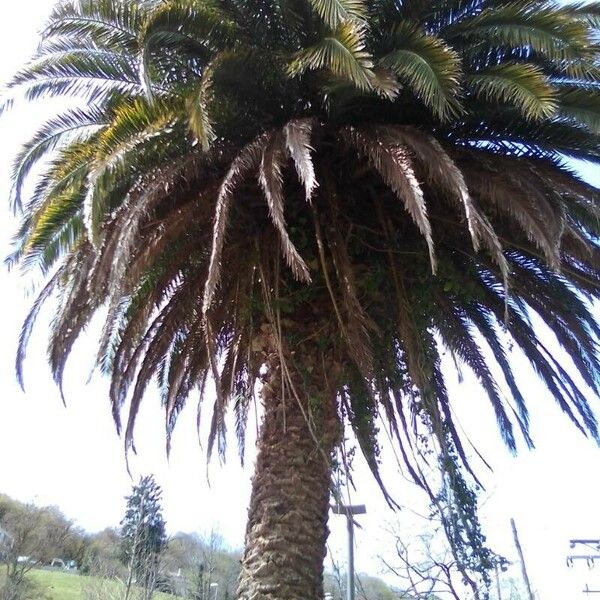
350 511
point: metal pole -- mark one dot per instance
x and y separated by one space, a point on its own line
498 588
350 593
349 511
216 586
522 559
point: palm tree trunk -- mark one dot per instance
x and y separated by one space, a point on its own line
287 523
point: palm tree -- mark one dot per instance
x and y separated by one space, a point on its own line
320 196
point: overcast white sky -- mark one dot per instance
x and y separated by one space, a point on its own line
73 458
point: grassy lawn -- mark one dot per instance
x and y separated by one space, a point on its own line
57 585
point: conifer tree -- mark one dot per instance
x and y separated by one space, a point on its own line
143 536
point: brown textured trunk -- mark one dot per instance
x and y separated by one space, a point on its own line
287 522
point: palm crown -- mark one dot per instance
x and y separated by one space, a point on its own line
389 172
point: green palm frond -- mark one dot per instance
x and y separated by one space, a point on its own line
427 66
193 29
134 122
134 126
198 109
67 167
488 328
189 24
343 54
52 206
589 12
523 86
70 126
546 139
524 25
107 66
580 104
56 229
47 291
335 12
107 23
457 332
95 77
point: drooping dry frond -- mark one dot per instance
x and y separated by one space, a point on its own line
392 161
297 139
248 159
271 181
199 119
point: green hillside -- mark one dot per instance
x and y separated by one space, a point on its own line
58 585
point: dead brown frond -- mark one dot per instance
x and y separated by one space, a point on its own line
298 141
242 165
392 161
271 181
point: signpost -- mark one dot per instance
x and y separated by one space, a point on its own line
350 511
216 586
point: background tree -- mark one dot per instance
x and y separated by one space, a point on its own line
38 534
202 560
143 536
51 535
320 196
103 555
424 564
204 567
425 572
368 587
